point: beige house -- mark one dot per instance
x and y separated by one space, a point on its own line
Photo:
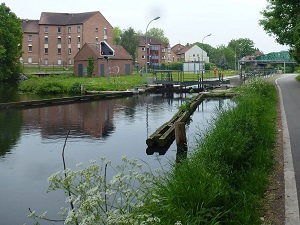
119 64
55 38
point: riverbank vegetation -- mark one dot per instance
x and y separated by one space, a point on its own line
69 84
222 181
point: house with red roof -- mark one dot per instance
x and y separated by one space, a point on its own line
120 63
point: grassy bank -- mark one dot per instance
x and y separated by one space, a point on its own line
59 84
55 84
224 180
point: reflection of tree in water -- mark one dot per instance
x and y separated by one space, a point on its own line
10 129
107 128
8 93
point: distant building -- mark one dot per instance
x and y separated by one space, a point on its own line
158 52
56 38
120 63
191 53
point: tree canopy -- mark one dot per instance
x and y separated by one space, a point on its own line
130 42
282 20
10 45
117 35
158 33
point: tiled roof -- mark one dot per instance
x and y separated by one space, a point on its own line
151 40
120 52
183 50
30 26
50 18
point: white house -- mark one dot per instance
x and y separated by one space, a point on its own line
190 54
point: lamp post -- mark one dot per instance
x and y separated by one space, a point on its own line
146 45
203 64
235 57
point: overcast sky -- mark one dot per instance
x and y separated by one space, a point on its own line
182 21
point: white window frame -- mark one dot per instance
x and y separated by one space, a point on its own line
29 48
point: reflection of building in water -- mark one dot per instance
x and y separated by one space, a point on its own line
94 119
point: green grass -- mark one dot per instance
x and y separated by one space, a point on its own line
224 180
57 84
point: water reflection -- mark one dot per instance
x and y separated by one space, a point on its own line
10 129
86 120
31 141
8 93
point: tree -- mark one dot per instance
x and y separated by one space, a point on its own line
130 42
10 45
117 32
158 33
223 64
242 47
90 68
223 57
282 20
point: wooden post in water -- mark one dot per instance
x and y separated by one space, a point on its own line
180 136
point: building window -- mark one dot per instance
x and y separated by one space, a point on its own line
46 40
69 40
45 30
96 30
46 51
29 48
59 62
58 30
70 51
105 33
143 49
154 48
59 51
59 40
143 57
78 49
46 61
29 37
69 30
78 29
163 50
70 61
29 60
78 39
97 39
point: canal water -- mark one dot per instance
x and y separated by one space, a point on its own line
31 143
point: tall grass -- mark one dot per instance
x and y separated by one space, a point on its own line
225 178
57 84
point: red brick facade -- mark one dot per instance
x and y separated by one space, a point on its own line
157 52
119 64
56 38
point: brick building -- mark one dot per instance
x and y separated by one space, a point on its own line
120 63
158 52
56 38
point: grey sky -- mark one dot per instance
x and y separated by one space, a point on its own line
182 21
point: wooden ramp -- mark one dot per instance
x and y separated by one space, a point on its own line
166 133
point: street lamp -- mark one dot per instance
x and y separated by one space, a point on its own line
156 18
235 57
203 64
